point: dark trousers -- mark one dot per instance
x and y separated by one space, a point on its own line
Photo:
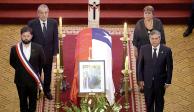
154 97
47 69
28 97
191 19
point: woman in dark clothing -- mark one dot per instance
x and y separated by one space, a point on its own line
142 29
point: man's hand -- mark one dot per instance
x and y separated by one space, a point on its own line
135 52
55 59
166 86
141 84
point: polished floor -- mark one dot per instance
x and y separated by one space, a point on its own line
179 96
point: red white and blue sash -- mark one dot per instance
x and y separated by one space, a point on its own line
28 67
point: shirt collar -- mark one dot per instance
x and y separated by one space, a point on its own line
25 46
43 22
158 47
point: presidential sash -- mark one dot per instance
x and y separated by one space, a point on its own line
28 67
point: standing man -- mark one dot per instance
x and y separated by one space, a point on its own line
27 59
155 71
45 33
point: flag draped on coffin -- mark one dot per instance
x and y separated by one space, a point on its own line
100 42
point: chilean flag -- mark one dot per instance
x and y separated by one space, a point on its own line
97 44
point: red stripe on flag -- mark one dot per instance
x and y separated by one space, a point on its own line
83 44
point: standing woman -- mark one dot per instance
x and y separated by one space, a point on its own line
143 28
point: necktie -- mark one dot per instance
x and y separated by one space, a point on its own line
44 29
154 56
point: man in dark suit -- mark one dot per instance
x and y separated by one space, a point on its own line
23 54
155 71
45 33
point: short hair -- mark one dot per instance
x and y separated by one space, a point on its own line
26 29
155 32
148 8
42 6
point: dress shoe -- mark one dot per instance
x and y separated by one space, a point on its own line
49 96
188 32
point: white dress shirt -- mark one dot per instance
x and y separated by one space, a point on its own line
157 50
41 23
27 51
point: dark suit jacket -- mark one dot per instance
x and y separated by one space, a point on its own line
141 36
161 71
37 60
50 42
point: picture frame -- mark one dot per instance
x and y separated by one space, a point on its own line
92 77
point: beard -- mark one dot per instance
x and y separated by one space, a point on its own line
26 41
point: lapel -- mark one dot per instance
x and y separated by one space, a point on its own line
32 52
150 51
160 51
48 28
39 28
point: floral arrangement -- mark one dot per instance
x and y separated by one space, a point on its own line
93 104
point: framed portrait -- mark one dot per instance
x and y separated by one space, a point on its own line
92 76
